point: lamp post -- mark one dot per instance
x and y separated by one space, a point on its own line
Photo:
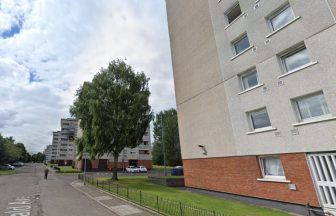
85 154
163 148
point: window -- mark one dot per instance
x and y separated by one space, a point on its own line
145 142
233 13
249 79
281 18
311 106
241 44
295 59
271 167
259 119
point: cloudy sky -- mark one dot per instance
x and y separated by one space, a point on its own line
49 47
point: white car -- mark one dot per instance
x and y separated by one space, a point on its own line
132 169
142 169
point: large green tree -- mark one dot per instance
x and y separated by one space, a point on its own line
10 152
113 110
168 120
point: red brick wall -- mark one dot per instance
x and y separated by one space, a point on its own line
147 163
238 175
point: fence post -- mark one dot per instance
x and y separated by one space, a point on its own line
109 186
181 210
214 213
157 203
97 183
140 198
127 193
117 189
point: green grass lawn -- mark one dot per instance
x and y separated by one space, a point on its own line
212 203
161 168
7 172
68 169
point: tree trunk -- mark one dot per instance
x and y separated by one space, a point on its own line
115 167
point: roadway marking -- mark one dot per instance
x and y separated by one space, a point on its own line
20 207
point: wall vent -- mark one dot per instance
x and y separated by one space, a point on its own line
265 89
277 133
281 83
295 131
254 49
245 15
267 41
256 6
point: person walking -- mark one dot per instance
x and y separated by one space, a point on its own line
46 171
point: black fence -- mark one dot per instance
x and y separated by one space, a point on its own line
154 202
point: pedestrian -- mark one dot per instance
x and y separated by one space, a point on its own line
46 171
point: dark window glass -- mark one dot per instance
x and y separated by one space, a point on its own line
233 13
241 45
260 119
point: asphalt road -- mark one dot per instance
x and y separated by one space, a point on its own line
27 193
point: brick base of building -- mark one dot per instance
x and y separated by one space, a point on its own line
239 175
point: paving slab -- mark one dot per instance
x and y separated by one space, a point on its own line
117 205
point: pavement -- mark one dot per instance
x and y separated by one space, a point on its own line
27 193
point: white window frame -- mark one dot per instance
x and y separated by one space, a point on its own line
276 13
229 10
249 115
239 39
297 111
291 52
250 71
264 176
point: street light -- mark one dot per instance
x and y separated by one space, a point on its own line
163 149
85 155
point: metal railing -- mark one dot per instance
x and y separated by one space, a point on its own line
154 202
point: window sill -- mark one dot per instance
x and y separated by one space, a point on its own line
273 180
247 49
298 69
249 89
276 31
242 14
316 120
261 130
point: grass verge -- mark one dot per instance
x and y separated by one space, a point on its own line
7 172
67 169
171 200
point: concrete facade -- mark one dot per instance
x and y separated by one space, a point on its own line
213 108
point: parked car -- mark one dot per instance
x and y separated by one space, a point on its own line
7 167
132 169
142 169
18 164
177 171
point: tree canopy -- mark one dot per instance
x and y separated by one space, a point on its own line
11 151
171 138
113 110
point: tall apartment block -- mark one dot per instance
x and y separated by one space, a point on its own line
63 150
255 85
138 156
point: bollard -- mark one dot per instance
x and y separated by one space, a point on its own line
127 193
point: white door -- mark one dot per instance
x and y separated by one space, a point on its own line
323 168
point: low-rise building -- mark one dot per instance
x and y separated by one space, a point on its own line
139 156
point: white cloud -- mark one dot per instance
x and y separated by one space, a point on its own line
63 43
